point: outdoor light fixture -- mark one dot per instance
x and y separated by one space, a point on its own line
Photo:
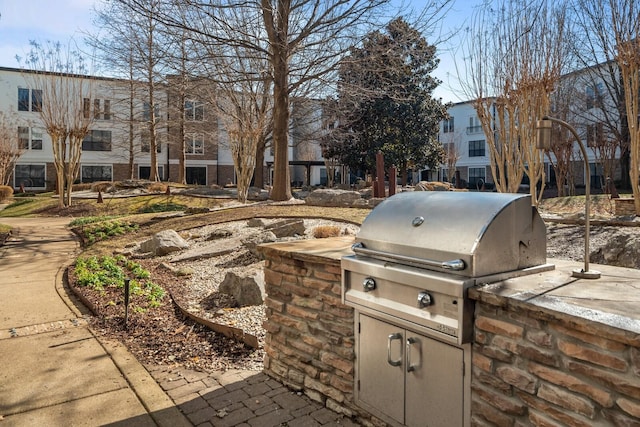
544 143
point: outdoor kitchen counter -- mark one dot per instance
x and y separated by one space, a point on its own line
612 301
330 248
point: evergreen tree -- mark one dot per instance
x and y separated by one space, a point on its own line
386 103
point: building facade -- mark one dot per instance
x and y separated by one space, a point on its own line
117 146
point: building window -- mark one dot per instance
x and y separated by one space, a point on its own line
29 138
474 125
97 140
194 144
595 134
106 109
145 143
29 99
29 176
193 111
476 148
144 172
447 125
101 109
86 108
594 95
475 176
146 112
196 175
96 173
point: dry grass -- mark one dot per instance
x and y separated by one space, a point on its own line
601 205
324 231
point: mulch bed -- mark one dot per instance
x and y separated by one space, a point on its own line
163 335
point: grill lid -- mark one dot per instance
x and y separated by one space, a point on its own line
475 234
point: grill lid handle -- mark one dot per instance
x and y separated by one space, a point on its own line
455 264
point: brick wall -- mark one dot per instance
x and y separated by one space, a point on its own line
624 206
530 368
309 343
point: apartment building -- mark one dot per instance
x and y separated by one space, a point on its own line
117 146
465 144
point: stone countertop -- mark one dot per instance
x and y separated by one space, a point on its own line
612 301
331 248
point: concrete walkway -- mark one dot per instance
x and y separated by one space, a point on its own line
53 370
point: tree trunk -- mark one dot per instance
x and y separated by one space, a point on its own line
258 173
281 182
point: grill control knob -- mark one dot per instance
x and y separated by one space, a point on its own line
368 284
424 299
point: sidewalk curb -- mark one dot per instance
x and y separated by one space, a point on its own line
159 406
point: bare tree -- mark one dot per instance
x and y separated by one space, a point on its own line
451 145
626 28
596 48
65 86
517 53
135 45
10 148
305 41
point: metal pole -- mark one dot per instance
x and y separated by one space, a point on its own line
585 273
126 301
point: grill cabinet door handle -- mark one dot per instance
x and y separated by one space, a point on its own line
393 337
410 342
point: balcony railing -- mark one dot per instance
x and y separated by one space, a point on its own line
474 129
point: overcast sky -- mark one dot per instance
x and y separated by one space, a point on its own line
60 20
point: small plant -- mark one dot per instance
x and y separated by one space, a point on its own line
96 232
100 273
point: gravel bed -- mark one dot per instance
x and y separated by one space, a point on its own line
203 298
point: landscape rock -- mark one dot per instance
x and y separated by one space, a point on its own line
246 290
331 197
287 228
257 194
252 242
219 234
621 249
163 243
255 222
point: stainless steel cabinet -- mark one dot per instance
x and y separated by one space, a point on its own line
406 378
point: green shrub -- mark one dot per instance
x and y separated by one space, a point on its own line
90 220
162 207
5 192
95 232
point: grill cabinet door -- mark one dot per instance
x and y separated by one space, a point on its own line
434 383
381 385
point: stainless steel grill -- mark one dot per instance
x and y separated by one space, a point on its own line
416 255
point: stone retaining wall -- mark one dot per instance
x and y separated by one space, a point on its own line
530 368
624 206
310 342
